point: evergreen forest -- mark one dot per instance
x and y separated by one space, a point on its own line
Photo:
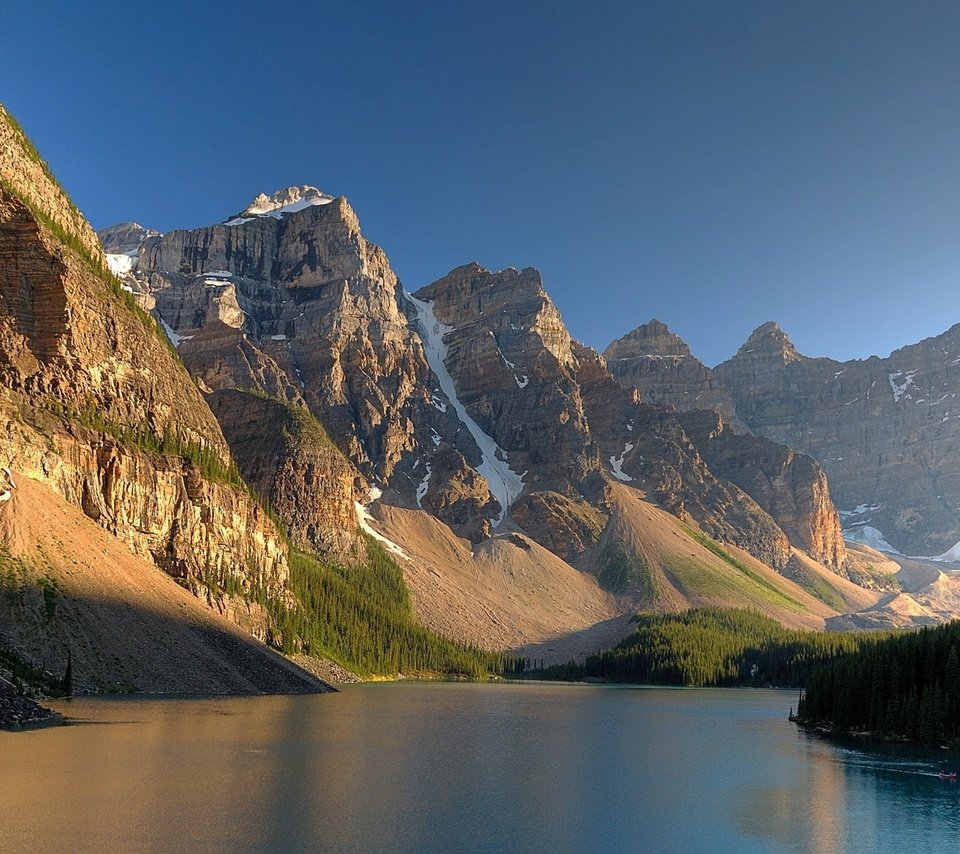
905 686
359 616
708 647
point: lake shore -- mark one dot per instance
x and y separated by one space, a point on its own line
18 712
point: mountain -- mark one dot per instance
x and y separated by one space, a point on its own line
464 404
885 430
659 363
257 411
97 413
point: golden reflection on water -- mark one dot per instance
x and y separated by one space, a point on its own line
452 768
806 812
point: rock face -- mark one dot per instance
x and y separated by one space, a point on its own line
289 299
28 177
885 431
660 364
515 372
791 487
125 238
94 405
295 466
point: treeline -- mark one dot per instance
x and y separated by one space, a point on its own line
360 617
905 686
708 647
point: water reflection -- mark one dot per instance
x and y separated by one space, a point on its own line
463 768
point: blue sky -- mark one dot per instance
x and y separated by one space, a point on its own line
715 165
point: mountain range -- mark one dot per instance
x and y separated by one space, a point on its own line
204 407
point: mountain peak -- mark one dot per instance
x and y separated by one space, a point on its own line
770 340
124 238
653 338
283 201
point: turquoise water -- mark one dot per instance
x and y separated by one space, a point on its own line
462 767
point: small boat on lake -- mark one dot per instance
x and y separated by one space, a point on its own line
948 775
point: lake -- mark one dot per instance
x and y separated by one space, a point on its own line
422 767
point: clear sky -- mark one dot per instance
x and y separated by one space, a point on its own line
711 164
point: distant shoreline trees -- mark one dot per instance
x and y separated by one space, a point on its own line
711 647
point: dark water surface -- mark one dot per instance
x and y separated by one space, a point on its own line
453 767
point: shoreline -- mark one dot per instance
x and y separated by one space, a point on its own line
19 713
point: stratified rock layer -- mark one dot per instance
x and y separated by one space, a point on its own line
885 431
300 306
94 405
660 364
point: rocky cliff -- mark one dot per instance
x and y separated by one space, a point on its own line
289 299
295 467
558 417
884 430
96 407
791 487
659 363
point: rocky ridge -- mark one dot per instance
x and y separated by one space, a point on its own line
96 408
884 430
467 399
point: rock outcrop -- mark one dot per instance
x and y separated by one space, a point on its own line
512 360
885 431
289 299
791 487
659 363
295 467
94 405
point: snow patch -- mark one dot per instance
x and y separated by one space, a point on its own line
504 483
522 383
900 388
424 486
282 202
435 438
175 339
616 463
867 535
364 519
437 403
860 509
952 555
278 337
120 265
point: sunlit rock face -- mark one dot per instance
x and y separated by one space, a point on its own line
290 300
94 406
467 398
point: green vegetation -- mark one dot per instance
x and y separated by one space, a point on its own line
906 686
708 647
713 546
818 586
360 617
19 584
619 571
